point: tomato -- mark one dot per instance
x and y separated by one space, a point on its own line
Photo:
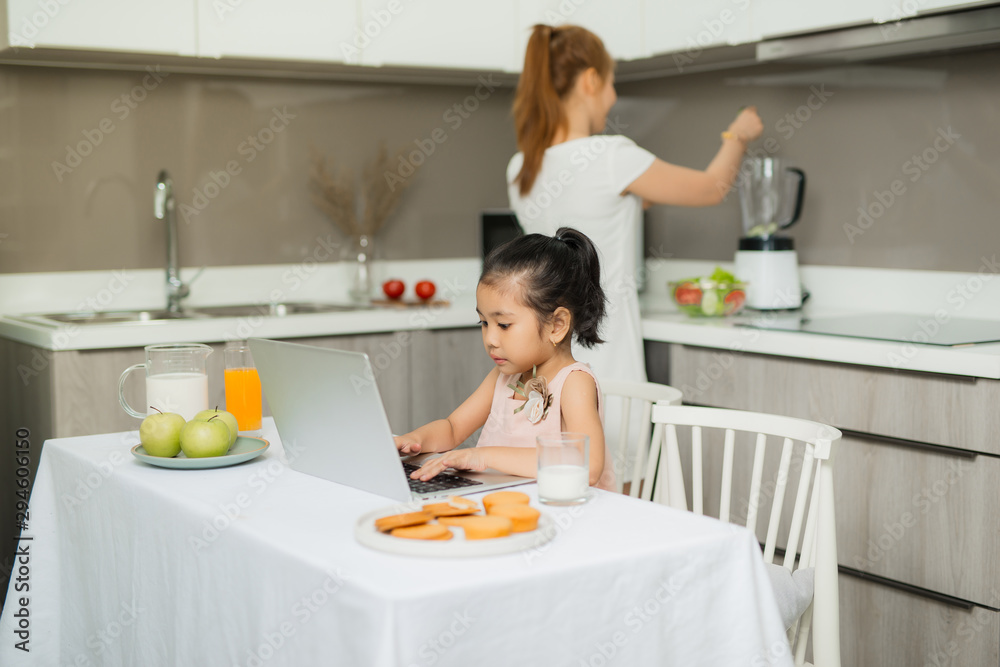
687 294
393 288
734 301
425 289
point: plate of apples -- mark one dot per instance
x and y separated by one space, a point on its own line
209 440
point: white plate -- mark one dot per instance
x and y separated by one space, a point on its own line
244 449
457 546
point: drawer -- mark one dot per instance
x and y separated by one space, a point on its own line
924 517
885 627
939 409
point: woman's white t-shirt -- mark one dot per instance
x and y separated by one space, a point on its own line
580 185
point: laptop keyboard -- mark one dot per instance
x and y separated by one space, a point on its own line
442 482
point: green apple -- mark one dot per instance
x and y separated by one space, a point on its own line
227 417
160 434
200 439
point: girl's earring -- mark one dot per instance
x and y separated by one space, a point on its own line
555 344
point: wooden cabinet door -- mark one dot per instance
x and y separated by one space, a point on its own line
446 366
885 627
946 410
138 26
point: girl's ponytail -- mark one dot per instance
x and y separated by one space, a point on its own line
554 59
587 293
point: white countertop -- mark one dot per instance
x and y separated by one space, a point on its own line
835 291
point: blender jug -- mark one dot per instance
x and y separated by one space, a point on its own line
770 196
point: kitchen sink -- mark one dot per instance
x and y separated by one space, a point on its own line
277 309
201 312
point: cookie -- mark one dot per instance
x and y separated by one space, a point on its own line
387 523
454 507
523 517
505 498
485 527
425 531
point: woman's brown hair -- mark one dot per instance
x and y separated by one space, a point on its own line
555 57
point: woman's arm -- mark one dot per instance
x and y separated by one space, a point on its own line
665 183
444 434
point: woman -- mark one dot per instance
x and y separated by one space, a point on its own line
566 174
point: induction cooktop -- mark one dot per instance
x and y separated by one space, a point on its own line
900 327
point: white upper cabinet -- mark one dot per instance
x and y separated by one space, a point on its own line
279 29
776 18
618 24
689 27
910 7
137 26
453 34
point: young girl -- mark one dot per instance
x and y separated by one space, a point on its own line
535 293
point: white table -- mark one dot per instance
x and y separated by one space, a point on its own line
257 565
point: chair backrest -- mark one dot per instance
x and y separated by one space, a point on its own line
807 532
633 398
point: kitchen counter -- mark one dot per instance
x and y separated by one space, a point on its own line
835 291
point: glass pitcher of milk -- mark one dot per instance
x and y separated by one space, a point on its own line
176 380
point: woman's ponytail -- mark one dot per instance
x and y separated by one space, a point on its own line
554 59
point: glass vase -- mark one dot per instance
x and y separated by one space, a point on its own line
362 254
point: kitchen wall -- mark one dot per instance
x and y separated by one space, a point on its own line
80 151
911 143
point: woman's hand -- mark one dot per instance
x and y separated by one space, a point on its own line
747 125
472 458
407 444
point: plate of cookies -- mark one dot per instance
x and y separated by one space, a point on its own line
504 522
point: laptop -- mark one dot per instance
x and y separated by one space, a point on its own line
329 415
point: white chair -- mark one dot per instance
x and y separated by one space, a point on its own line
624 394
812 519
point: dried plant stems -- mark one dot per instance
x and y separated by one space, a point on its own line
334 193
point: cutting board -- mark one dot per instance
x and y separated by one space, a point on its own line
405 303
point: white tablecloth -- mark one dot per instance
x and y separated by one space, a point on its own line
256 564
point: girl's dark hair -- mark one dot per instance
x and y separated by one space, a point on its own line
553 271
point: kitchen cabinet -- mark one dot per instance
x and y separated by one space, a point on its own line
138 26
451 34
917 533
687 28
775 18
619 24
279 29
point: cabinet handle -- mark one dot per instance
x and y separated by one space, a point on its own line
911 444
949 600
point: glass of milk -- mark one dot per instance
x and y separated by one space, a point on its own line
563 468
176 380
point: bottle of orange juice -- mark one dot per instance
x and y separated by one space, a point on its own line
243 398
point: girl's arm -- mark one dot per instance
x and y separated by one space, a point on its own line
665 183
579 410
442 435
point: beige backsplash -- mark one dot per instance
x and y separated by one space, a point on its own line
859 137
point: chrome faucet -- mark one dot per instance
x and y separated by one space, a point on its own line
163 209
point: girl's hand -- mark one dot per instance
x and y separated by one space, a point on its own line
747 125
472 458
407 444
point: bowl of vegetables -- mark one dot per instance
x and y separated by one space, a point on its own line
718 295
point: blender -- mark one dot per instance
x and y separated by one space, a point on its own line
771 201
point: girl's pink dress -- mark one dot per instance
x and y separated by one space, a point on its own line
503 428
